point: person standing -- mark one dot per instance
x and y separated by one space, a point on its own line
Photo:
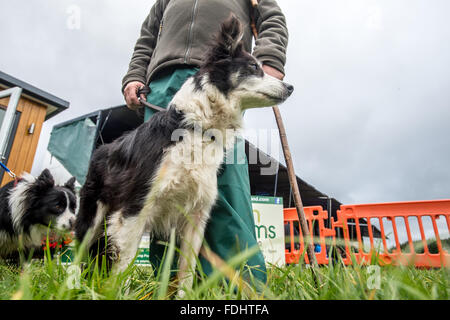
172 43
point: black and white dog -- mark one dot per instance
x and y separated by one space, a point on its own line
164 173
29 206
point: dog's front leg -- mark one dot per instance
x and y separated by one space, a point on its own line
125 235
191 242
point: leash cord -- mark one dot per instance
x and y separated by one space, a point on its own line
11 174
146 90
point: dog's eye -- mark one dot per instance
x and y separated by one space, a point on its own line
254 66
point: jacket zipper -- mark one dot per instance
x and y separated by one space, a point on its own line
191 29
160 28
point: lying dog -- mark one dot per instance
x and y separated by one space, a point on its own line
164 173
29 206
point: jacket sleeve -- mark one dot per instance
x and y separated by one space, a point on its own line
145 45
271 45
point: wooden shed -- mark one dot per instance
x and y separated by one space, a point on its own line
23 110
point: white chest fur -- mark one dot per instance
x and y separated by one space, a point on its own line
185 183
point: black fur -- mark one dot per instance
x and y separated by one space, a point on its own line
120 172
43 204
5 211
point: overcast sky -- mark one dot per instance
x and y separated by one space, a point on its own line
369 118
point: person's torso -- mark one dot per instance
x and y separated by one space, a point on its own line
188 27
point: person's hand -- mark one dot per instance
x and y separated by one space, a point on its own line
273 72
130 94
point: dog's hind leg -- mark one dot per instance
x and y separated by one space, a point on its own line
92 235
92 211
90 232
191 242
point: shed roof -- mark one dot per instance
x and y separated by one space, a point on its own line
54 104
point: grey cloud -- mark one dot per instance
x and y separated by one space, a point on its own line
368 121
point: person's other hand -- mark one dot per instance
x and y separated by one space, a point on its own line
130 94
273 72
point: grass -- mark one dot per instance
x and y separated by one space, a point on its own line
47 279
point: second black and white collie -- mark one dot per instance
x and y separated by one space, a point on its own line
29 206
164 173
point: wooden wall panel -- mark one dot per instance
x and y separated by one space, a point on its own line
39 122
4 101
24 150
24 147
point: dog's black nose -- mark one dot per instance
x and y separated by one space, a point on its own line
289 88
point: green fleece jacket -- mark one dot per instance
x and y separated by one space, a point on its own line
179 32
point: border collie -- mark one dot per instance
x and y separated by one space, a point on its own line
164 173
29 206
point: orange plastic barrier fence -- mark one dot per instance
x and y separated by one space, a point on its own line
352 218
314 216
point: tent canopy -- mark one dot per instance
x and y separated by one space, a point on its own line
73 142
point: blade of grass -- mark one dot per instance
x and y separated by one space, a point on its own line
165 275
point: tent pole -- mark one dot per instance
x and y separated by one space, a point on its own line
276 182
290 195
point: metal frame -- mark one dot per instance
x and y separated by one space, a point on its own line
8 120
11 140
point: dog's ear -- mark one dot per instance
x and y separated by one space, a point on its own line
228 42
45 180
70 184
231 34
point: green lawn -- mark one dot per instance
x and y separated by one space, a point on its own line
50 280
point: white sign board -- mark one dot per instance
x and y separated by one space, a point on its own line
143 257
269 228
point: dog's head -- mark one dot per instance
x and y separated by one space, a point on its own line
236 74
49 204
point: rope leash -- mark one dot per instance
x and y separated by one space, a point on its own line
145 90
